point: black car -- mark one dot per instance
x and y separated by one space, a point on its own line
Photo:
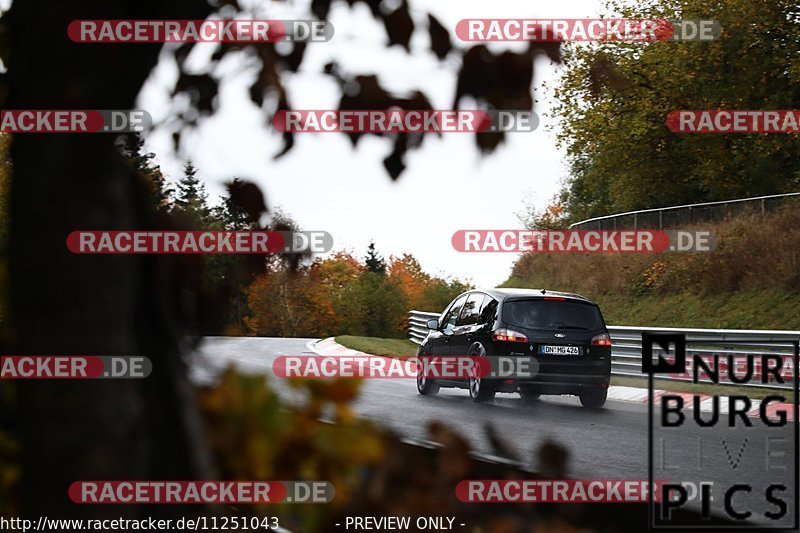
563 335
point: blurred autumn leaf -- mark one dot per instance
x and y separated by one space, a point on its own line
497 82
256 436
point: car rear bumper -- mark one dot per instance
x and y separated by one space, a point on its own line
559 379
554 383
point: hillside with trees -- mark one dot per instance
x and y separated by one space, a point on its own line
750 281
612 102
613 99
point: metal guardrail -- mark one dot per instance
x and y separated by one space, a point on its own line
670 217
626 349
417 329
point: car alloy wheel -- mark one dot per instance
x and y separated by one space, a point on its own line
479 389
425 385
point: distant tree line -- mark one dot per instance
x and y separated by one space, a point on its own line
344 295
289 296
213 300
188 199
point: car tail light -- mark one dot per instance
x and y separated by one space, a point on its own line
508 336
601 340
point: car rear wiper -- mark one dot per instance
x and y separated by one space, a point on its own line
572 327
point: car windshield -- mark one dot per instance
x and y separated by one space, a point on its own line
552 314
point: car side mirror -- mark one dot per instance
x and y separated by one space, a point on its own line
433 323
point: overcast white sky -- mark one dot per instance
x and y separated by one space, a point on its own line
324 184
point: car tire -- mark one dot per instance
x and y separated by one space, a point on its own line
426 386
529 395
479 389
594 398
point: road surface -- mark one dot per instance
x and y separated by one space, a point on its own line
607 443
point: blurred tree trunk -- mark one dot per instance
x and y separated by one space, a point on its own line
103 305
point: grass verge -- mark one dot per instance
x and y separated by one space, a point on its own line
378 346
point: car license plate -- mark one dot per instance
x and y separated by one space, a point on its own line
549 349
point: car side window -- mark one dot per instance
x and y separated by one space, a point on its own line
449 321
488 311
471 310
446 313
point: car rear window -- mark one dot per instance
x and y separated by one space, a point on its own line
552 314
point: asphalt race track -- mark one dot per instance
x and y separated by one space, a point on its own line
610 443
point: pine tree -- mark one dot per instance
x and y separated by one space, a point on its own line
191 197
374 262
